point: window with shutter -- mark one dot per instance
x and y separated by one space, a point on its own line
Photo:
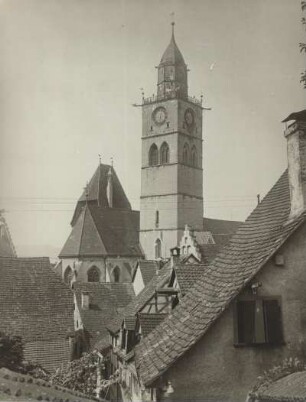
273 321
258 321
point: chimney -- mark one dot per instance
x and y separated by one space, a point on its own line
296 152
175 256
109 189
85 300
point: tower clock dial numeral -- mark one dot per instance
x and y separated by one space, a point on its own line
159 115
189 117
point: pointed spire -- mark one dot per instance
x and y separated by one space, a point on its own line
109 189
173 23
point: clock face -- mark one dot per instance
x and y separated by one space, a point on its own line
159 115
189 117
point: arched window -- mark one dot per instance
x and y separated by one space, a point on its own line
68 275
194 156
188 250
153 155
157 249
164 153
116 274
93 274
186 154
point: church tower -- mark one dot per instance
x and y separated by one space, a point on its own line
171 172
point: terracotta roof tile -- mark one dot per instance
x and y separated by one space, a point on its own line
105 299
255 242
34 302
149 321
187 274
101 231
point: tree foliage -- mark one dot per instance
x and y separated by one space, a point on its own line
12 358
81 374
288 366
11 352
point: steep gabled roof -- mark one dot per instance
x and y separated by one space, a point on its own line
7 248
105 299
34 302
266 229
148 269
101 231
96 191
222 230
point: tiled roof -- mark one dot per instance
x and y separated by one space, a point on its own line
97 188
104 301
34 302
265 230
101 231
7 248
163 275
222 230
148 269
149 321
187 275
130 322
102 344
209 251
286 389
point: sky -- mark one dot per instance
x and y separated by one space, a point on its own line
71 70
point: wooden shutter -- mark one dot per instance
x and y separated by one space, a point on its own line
246 321
273 321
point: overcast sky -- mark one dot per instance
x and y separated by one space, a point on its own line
71 69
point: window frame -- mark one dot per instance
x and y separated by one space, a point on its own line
153 159
261 320
93 270
164 153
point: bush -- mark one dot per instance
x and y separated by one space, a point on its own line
287 367
11 352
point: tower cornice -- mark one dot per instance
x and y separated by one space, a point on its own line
171 133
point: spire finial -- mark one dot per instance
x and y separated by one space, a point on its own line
172 23
112 161
100 157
